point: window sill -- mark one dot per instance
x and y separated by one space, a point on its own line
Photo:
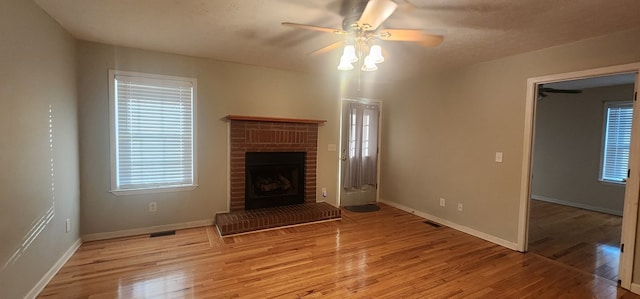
153 190
613 183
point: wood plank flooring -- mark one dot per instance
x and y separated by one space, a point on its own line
583 239
383 254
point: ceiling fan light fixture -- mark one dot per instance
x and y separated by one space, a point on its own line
369 64
345 64
349 54
376 54
361 30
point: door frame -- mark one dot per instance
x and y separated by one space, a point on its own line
366 101
632 190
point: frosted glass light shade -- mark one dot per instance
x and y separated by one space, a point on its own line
376 54
369 64
350 53
345 64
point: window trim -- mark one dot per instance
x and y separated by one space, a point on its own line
112 73
606 106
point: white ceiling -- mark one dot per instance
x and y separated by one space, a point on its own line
249 31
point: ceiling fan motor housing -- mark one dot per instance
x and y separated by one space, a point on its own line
352 11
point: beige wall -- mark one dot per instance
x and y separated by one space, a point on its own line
38 71
223 89
568 147
441 133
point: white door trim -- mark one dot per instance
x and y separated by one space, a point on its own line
630 213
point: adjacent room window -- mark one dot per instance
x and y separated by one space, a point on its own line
616 141
152 132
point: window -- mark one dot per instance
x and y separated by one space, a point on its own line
361 165
616 141
364 135
352 134
152 132
366 125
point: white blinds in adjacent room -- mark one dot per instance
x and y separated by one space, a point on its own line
154 132
617 139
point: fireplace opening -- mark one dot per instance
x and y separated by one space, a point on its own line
274 179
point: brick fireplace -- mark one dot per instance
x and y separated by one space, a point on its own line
264 134
291 140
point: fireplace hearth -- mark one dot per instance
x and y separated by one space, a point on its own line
274 179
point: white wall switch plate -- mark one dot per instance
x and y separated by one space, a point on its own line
499 157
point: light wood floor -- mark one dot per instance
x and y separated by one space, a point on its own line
586 240
384 254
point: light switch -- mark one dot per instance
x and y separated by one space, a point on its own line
499 157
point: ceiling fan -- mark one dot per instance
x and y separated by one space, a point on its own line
544 91
361 31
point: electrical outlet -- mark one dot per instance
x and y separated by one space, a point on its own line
68 224
153 207
324 192
499 157
442 202
460 207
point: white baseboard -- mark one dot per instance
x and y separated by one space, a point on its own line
54 269
464 229
576 205
146 230
635 288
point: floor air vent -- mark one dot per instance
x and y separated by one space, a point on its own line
433 223
160 234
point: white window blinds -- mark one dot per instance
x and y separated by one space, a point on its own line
153 131
616 141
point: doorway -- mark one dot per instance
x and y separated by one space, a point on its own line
359 152
630 210
579 168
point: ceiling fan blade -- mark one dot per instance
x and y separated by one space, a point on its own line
328 48
314 28
411 35
406 6
376 12
555 90
541 95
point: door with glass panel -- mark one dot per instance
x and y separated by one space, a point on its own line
359 152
